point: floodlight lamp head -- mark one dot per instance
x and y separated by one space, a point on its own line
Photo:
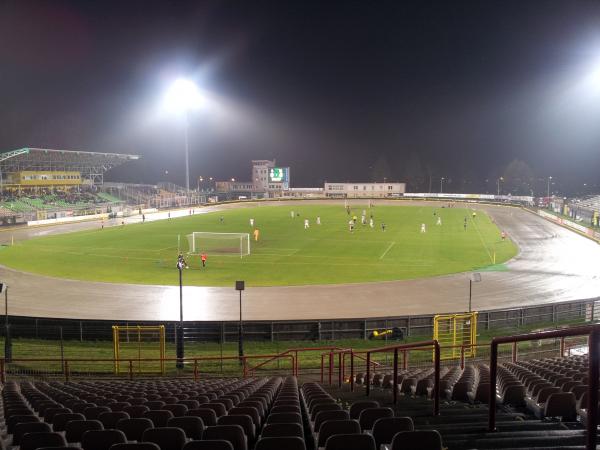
183 96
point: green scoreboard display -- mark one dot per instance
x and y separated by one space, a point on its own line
279 175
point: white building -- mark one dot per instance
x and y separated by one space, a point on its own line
357 190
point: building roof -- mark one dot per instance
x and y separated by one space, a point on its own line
44 159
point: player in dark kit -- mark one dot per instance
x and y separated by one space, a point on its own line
181 264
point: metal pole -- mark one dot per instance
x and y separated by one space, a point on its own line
395 383
441 185
492 395
351 371
187 155
593 373
436 380
241 332
179 333
470 292
7 339
368 380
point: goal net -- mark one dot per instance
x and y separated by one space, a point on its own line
219 243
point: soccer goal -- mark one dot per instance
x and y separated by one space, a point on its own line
219 243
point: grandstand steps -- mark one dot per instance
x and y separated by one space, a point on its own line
541 440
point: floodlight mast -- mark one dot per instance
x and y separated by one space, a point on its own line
182 97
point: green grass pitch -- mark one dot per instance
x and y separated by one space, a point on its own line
286 254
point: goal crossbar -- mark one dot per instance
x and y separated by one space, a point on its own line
218 243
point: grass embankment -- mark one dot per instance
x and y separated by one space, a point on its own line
85 351
286 254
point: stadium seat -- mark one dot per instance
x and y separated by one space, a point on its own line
14 420
385 429
135 446
323 416
75 428
167 438
232 433
60 420
134 428
92 413
280 443
136 411
284 418
350 442
331 427
282 430
35 440
368 416
28 427
417 440
248 411
192 426
178 410
242 420
357 407
208 416
102 439
110 419
49 413
158 417
209 444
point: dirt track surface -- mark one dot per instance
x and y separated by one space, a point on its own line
554 264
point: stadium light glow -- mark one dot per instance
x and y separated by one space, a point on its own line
182 97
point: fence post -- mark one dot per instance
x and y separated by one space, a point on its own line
2 372
593 373
436 382
322 366
340 369
514 352
395 380
297 364
368 380
66 370
195 369
131 369
404 359
351 370
330 368
562 347
492 394
462 357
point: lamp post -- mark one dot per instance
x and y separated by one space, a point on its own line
498 182
548 187
474 278
240 286
182 97
179 334
7 338
441 185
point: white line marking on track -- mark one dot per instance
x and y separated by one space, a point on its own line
387 249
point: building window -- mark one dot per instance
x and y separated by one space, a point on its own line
356 188
390 188
364 187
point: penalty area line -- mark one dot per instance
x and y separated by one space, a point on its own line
387 249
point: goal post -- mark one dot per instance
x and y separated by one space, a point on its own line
139 348
219 243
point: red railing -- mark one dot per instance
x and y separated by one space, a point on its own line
425 345
593 333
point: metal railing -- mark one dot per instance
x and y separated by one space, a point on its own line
593 333
425 345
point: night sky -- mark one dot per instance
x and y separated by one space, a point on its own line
337 90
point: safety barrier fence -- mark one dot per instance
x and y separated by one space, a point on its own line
136 367
488 321
593 334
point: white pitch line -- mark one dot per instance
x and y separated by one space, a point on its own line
387 250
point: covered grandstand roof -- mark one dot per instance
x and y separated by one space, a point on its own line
91 165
